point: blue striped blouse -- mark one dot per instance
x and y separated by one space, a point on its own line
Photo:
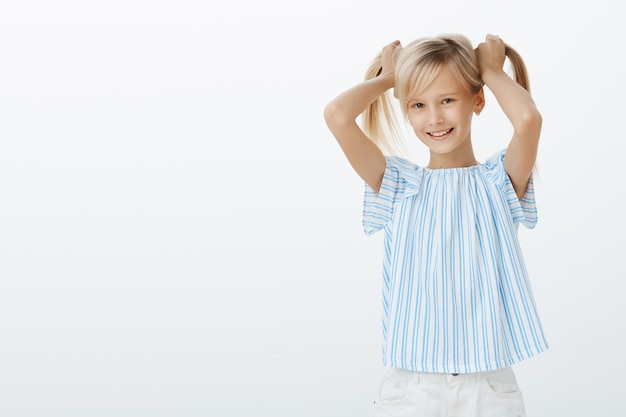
456 295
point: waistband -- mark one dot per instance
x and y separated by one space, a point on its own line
421 377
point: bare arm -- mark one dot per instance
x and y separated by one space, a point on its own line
519 108
341 117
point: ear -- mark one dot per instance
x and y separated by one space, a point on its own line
480 101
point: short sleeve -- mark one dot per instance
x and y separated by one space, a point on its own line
401 179
524 210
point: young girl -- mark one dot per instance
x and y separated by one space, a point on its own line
458 308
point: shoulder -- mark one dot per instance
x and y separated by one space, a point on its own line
400 162
523 210
495 160
402 178
494 167
403 168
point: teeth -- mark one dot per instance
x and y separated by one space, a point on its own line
439 134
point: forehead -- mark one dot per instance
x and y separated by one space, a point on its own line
444 82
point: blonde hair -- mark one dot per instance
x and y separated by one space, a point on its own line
417 66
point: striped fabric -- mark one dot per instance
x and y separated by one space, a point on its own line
456 295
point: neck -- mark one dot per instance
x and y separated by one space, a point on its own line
461 157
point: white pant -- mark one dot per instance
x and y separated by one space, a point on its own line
405 393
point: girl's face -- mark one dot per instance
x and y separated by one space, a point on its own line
441 115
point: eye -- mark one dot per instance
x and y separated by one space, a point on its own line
447 100
416 105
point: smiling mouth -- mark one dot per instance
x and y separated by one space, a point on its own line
440 134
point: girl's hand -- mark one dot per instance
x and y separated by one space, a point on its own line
490 54
389 56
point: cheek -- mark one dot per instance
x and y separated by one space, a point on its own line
463 117
419 133
414 120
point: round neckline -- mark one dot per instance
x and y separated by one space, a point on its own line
452 169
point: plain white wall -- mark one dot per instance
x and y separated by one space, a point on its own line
180 234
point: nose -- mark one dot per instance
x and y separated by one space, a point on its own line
434 116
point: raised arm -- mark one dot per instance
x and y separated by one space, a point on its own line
341 117
519 108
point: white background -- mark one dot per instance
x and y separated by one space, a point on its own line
180 235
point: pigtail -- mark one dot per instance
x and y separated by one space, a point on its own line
521 76
379 121
518 66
